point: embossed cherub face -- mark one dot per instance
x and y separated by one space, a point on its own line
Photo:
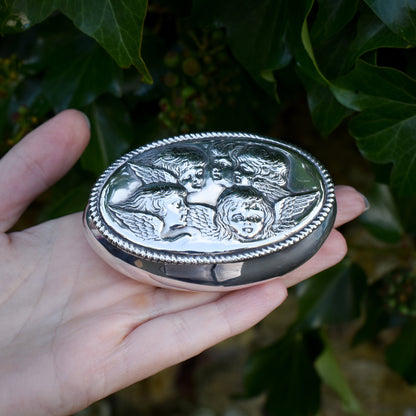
192 178
186 163
255 164
176 211
246 219
222 169
245 174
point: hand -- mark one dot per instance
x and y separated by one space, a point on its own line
73 330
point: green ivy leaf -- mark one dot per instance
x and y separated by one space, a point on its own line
327 113
285 372
371 34
384 130
305 53
116 26
362 35
299 41
369 86
398 15
386 134
111 133
332 296
75 77
332 17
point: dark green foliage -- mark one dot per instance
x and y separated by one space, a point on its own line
332 297
144 71
383 221
401 355
117 26
286 372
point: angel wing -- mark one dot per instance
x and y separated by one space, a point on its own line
201 217
270 189
148 174
141 225
289 208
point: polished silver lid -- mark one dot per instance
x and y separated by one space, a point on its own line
210 211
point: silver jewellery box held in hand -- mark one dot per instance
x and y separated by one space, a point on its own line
210 211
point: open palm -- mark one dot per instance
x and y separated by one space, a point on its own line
73 330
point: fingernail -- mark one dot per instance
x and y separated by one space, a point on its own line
87 120
366 202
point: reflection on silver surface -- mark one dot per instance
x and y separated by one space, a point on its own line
211 211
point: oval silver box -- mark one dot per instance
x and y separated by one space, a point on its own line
210 211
